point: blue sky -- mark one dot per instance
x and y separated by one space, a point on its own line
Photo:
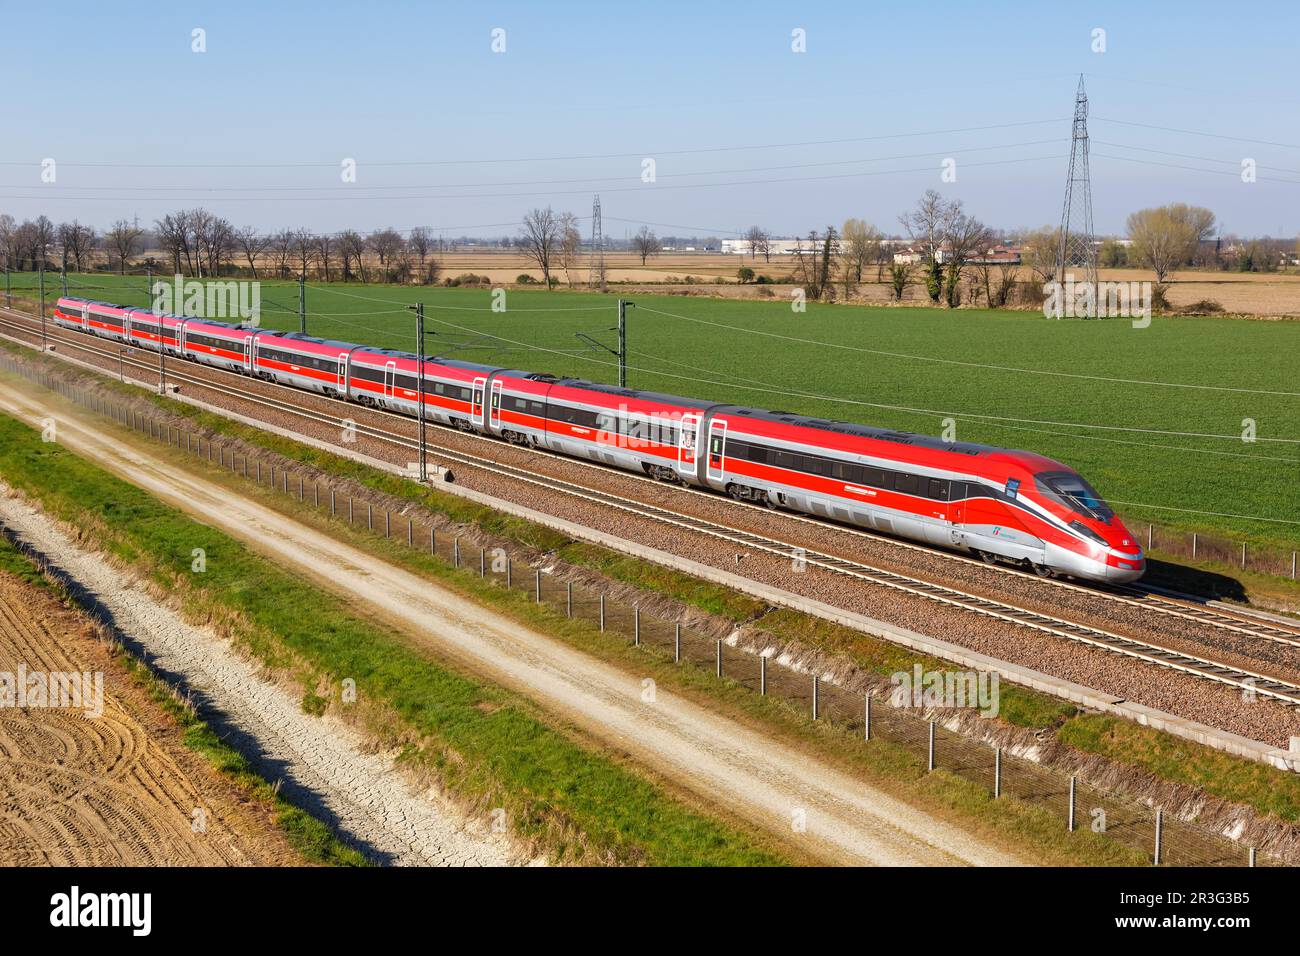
306 85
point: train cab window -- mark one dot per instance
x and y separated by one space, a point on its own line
938 489
1068 488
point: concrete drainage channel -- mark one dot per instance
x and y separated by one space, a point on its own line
1165 841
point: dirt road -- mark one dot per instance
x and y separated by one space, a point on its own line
833 816
80 788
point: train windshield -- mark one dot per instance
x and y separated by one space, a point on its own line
1069 489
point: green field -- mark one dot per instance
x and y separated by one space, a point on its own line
1167 402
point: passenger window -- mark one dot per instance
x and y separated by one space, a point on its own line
905 483
938 489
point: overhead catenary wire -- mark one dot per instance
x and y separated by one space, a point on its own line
334 164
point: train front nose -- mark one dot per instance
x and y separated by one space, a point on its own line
1122 570
1125 561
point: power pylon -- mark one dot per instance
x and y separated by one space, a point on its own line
1076 252
596 270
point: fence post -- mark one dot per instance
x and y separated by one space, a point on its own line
388 523
1150 535
350 510
602 613
455 553
482 562
568 598
259 464
816 688
537 580
370 516
1252 856
762 675
997 772
1243 555
333 503
315 493
677 643
718 658
300 487
866 715
1193 545
509 572
1070 822
930 749
433 541
410 532
1292 565
1160 832
636 626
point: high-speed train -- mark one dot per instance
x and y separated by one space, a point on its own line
1006 506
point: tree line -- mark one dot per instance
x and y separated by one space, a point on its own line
947 256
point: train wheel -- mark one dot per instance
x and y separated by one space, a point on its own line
988 557
1043 571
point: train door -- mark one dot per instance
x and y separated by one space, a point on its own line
495 414
390 373
717 449
343 373
476 404
688 436
250 353
957 511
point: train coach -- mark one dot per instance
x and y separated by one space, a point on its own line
1002 505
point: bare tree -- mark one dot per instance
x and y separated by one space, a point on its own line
420 242
170 230
1038 251
539 239
861 247
569 246
926 225
215 238
645 243
814 267
282 251
385 244
9 240
122 240
759 243
304 250
325 247
352 249
75 243
252 244
1167 237
43 237
965 237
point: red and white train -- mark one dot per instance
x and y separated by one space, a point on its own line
1008 506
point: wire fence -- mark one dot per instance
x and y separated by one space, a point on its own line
1077 804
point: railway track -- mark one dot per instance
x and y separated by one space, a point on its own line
1150 652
